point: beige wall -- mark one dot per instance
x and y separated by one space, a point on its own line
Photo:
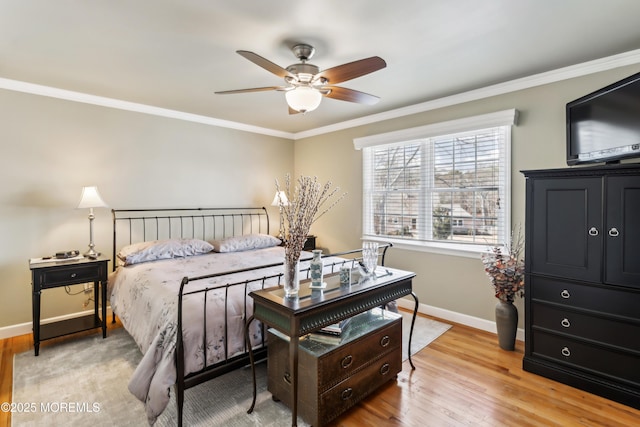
452 283
51 148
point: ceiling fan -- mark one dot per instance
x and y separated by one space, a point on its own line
306 84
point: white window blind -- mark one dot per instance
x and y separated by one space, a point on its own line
447 190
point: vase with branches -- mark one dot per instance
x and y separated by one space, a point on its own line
505 267
308 200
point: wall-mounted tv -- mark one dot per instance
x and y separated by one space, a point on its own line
604 126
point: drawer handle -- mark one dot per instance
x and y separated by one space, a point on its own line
347 361
384 342
566 352
384 369
565 294
287 378
593 231
614 232
347 393
73 275
565 322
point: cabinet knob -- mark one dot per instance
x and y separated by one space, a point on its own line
385 341
347 361
384 369
593 231
565 294
565 322
347 393
566 352
73 275
614 232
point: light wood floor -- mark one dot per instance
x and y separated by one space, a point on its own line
462 378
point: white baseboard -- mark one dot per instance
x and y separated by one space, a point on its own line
27 328
464 319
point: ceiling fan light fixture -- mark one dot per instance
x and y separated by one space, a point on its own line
303 99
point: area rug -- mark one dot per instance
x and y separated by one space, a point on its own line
83 382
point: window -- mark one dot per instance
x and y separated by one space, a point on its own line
441 186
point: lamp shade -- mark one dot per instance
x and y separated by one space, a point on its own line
280 196
91 198
303 99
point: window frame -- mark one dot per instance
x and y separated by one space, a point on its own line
409 136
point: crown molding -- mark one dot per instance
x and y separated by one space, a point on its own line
586 68
68 95
595 66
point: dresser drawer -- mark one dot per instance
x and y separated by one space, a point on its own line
581 325
349 358
599 298
349 392
69 275
624 367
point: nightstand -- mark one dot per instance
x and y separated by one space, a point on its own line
310 243
58 273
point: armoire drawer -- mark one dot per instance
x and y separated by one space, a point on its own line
581 325
609 299
623 366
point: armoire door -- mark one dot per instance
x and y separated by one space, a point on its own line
623 231
566 227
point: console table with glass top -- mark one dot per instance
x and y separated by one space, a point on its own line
314 309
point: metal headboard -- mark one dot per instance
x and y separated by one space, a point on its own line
143 225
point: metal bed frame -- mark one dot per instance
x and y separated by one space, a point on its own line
140 225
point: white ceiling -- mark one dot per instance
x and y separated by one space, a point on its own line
174 54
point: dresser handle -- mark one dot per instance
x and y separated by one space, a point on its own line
347 361
385 341
593 231
614 232
347 393
565 322
73 275
287 378
384 369
566 352
565 294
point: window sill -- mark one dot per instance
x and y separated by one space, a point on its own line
453 249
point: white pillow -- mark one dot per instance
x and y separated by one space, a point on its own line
245 243
162 249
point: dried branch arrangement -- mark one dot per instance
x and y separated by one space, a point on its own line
505 268
307 202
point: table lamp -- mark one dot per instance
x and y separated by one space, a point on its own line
91 199
280 200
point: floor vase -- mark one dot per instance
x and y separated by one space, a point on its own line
507 324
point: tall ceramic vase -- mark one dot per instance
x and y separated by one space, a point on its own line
507 324
291 279
316 266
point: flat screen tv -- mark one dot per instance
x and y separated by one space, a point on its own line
604 126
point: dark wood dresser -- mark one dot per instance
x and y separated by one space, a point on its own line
335 376
582 293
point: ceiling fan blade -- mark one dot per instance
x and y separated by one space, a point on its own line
344 94
255 89
265 63
349 71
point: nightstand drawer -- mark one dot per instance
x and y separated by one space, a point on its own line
347 359
69 275
346 394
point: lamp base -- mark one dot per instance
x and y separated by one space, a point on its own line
91 254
